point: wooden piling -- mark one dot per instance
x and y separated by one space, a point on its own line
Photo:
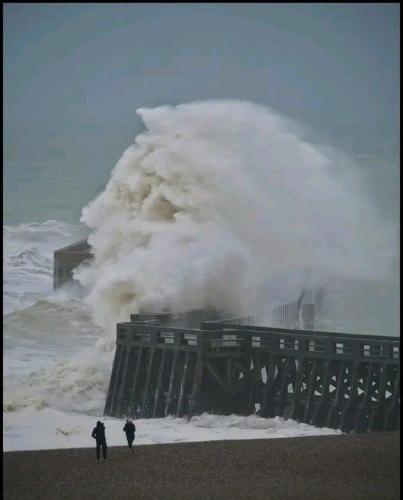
377 417
311 391
122 401
158 384
112 382
120 355
147 381
300 375
394 410
270 369
283 387
347 416
132 410
182 385
335 405
364 405
196 385
322 405
171 383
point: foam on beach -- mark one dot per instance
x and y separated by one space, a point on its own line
51 429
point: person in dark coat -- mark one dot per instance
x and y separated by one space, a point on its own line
129 429
99 435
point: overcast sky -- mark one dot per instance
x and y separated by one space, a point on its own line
74 74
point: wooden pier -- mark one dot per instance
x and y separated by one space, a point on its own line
345 381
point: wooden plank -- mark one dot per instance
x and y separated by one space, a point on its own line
302 362
182 386
229 372
147 382
283 387
311 390
293 373
363 405
171 383
325 380
323 401
339 394
257 367
158 385
112 382
198 374
251 384
269 331
168 347
123 383
394 406
340 388
120 355
375 420
280 364
214 373
270 369
346 420
132 397
298 377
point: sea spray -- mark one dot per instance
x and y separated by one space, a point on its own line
217 201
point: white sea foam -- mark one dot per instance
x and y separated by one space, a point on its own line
28 260
46 339
55 429
217 201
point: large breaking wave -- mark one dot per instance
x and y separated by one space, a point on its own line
218 203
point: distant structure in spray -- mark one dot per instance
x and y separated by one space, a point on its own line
297 315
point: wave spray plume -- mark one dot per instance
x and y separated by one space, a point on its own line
217 201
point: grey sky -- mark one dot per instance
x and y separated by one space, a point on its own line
75 74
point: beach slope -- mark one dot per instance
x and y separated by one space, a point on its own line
360 466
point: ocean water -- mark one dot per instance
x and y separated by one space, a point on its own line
218 203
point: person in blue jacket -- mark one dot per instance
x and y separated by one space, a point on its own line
99 435
129 429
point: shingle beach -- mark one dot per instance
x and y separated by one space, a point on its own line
359 466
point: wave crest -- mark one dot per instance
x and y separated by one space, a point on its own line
218 199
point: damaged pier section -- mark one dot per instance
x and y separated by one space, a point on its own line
345 381
67 259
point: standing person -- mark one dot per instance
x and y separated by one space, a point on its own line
99 435
129 429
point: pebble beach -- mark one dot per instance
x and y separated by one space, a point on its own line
354 466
